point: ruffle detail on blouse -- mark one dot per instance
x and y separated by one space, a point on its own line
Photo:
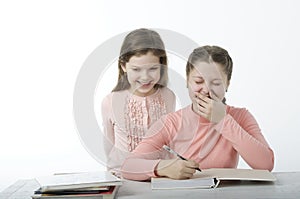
139 115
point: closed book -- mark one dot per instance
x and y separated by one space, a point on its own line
77 181
105 194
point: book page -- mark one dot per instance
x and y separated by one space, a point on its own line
192 183
210 178
236 174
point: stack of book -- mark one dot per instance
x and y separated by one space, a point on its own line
89 185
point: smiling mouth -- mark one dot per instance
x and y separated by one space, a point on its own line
145 84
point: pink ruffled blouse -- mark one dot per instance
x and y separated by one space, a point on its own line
126 118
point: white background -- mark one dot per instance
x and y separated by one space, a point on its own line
44 43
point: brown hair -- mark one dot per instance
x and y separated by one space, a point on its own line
140 42
210 54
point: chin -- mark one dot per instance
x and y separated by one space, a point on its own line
143 92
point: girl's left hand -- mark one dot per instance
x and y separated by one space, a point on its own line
211 109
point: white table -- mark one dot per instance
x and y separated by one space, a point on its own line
287 185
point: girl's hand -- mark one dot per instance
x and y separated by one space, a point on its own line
211 109
176 168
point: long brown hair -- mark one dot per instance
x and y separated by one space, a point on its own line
140 42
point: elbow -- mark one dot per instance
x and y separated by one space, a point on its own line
267 166
270 165
266 163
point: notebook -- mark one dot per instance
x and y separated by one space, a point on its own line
210 178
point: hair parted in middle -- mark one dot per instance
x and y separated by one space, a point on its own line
139 42
210 54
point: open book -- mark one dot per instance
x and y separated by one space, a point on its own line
210 178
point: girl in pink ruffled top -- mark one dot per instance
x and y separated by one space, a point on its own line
140 97
208 133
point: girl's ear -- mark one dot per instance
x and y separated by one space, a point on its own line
123 68
227 85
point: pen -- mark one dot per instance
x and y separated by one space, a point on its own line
173 152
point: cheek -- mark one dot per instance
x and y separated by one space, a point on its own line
155 75
195 87
131 76
218 91
191 93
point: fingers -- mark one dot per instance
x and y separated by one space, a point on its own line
185 176
209 108
185 172
192 164
203 111
203 105
203 98
177 168
188 169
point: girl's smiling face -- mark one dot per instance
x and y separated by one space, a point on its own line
207 79
143 73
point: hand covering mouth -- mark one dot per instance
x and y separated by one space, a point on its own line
205 96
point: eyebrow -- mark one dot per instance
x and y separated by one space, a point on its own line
220 79
149 64
133 66
198 77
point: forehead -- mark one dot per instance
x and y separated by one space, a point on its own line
207 71
148 58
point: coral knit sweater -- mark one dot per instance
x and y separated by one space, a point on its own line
194 137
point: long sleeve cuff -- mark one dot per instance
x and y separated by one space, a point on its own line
139 169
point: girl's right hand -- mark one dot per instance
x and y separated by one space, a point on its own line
212 109
176 168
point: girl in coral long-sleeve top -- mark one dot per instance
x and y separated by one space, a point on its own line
209 133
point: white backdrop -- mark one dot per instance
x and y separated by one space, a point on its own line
44 43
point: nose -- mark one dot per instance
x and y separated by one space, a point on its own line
144 75
204 89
